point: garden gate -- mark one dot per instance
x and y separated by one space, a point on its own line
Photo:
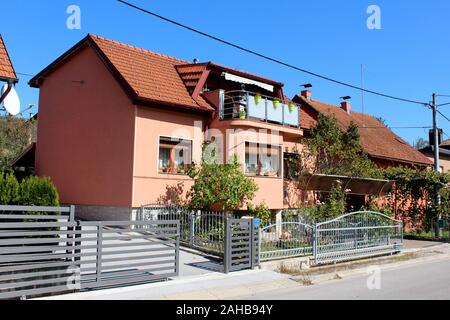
356 235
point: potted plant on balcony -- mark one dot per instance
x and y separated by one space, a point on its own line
258 98
242 114
291 107
276 103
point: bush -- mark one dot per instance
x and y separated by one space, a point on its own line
31 191
9 189
261 212
35 191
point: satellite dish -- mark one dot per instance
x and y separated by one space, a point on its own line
11 102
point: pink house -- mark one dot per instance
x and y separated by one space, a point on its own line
119 124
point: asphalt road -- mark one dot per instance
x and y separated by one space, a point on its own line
428 280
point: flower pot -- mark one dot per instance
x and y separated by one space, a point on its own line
291 107
257 99
276 104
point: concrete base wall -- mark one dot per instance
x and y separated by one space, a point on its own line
99 213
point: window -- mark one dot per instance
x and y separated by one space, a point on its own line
262 160
175 155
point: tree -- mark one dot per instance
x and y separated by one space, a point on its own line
421 143
15 135
328 150
220 186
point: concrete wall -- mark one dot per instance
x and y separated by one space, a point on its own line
148 184
86 134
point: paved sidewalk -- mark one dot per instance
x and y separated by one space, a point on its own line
213 286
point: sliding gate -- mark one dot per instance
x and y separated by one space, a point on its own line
44 251
356 235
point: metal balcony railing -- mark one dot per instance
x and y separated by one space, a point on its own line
247 105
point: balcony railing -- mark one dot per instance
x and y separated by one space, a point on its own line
247 105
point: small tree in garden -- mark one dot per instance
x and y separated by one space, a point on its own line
261 212
328 150
9 189
36 191
220 186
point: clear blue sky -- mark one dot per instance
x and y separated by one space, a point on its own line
408 57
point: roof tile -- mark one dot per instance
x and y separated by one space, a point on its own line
377 139
6 67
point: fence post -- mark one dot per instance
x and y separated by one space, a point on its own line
314 240
226 251
177 253
192 216
252 243
99 252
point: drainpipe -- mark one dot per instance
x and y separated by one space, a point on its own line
8 90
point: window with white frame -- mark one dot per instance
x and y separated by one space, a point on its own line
262 160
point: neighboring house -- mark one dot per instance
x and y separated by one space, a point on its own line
444 155
120 124
7 73
382 145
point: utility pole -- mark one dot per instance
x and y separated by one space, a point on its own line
436 163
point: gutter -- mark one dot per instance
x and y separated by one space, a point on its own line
8 90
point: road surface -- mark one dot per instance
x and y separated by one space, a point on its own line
427 280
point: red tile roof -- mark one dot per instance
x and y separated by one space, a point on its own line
6 68
378 140
150 75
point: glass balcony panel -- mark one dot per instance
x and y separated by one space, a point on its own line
256 108
274 111
291 115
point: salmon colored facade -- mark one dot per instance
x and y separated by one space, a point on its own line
102 145
119 126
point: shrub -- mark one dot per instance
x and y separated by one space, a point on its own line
9 189
261 212
36 191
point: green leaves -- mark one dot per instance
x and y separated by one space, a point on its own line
32 191
334 152
220 186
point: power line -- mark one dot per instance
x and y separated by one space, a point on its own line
443 115
267 57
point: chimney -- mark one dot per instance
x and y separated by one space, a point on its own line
306 94
346 106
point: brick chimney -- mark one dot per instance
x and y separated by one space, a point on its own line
345 105
306 94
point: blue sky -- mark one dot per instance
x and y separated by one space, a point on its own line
408 57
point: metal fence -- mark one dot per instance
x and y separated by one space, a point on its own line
200 229
285 239
356 235
46 253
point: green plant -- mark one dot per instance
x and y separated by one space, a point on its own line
276 103
291 107
242 113
36 191
258 98
261 212
220 186
9 189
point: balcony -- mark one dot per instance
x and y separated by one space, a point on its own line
247 105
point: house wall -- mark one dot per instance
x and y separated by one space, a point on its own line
444 160
86 133
148 184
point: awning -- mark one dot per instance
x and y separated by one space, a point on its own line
356 186
232 77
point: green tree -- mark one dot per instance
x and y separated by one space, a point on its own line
328 150
15 135
9 189
220 186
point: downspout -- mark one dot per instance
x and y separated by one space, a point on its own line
8 90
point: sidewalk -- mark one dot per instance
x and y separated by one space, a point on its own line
219 286
214 286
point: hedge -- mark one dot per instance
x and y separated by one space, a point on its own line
31 191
